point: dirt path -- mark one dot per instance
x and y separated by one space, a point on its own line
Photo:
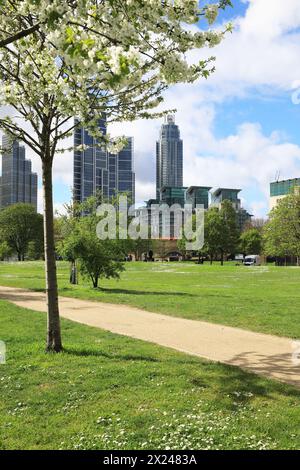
263 354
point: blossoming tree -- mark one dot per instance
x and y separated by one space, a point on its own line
89 59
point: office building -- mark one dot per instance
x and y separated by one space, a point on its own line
198 195
172 195
280 189
222 194
18 182
90 171
121 172
169 156
96 171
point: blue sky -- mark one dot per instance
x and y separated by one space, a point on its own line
240 127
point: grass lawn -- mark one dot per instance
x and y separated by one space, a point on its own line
265 299
111 392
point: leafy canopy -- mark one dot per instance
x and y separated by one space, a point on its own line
90 58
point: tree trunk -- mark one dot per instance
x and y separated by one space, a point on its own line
73 273
53 322
222 258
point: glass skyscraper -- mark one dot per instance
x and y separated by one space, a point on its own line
169 156
90 171
97 170
18 183
121 172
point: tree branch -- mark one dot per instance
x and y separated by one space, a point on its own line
19 35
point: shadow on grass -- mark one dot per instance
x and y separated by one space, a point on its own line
228 382
243 387
118 357
143 292
17 296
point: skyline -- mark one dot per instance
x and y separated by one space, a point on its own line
238 131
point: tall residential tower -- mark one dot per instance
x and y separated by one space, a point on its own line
97 170
90 171
121 172
169 156
18 183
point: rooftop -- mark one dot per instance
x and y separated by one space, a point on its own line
220 190
285 181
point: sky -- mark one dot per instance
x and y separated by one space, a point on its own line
241 127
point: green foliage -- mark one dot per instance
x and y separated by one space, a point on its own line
220 231
282 232
20 225
140 246
251 242
97 258
5 250
230 231
213 228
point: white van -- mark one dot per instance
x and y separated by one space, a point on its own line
252 260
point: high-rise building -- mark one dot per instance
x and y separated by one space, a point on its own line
172 195
121 172
90 171
169 156
280 189
98 171
198 195
18 182
222 194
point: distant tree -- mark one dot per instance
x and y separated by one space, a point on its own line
63 228
230 232
139 247
220 231
35 249
251 242
213 232
5 250
20 225
257 223
182 243
79 243
282 232
97 258
163 247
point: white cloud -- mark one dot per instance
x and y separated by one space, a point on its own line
263 49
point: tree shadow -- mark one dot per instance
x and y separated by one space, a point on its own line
98 353
276 366
234 387
143 292
21 296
